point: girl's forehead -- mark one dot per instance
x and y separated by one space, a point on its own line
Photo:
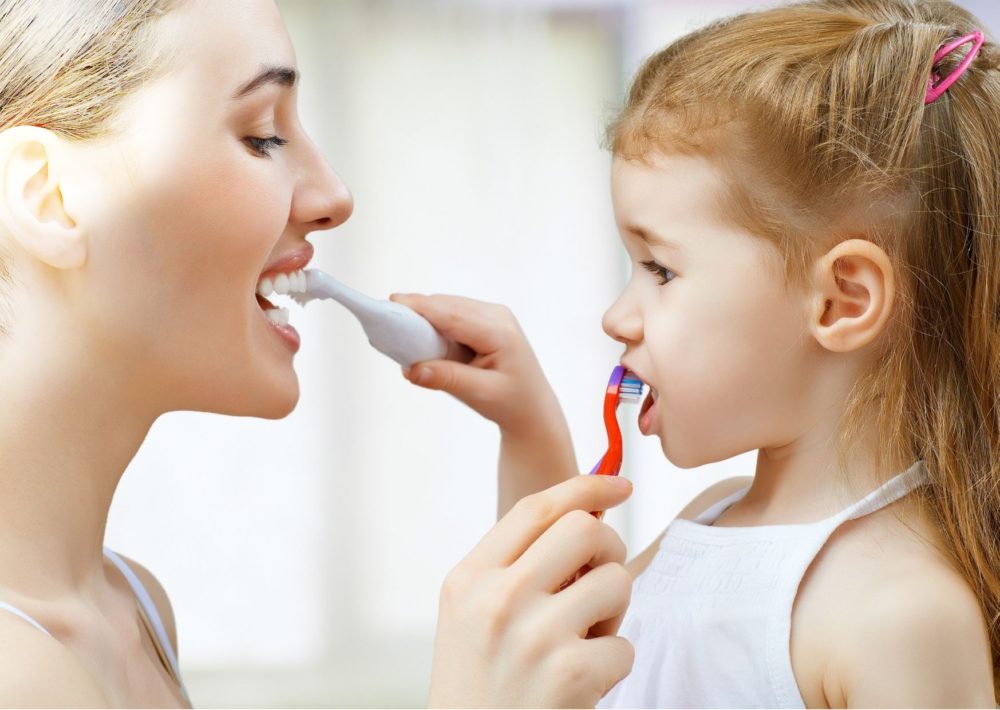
675 187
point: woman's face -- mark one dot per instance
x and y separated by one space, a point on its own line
187 208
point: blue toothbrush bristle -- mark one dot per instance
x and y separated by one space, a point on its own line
630 389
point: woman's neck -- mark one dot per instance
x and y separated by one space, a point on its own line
68 429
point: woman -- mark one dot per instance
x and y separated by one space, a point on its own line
154 170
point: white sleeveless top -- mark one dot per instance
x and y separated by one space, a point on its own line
711 615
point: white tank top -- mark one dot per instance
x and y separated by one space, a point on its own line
711 616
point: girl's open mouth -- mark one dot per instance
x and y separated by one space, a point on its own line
648 412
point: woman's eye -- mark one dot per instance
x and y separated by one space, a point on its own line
665 274
263 146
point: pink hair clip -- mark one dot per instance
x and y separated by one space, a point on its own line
935 84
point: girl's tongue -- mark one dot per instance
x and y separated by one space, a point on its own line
647 412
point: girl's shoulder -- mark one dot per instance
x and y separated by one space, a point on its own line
699 504
36 670
896 621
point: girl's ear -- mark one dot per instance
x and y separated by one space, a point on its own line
854 289
32 212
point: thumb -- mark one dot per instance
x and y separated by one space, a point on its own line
460 380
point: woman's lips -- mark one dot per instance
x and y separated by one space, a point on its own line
287 333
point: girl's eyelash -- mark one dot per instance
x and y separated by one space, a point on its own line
662 272
263 146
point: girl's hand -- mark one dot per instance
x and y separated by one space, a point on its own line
503 381
507 636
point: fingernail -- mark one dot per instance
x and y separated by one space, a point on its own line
423 375
619 481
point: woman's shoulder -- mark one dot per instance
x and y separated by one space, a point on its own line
695 507
36 670
159 596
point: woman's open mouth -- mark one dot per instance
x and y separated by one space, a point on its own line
282 283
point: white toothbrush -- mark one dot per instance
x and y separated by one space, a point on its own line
392 328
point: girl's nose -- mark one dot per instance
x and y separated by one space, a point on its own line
322 200
622 321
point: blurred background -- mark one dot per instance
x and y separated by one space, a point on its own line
303 557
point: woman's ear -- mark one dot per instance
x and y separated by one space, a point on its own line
854 288
32 211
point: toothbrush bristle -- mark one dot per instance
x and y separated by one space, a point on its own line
630 389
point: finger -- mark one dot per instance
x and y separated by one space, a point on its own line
611 658
596 603
480 325
600 663
534 514
468 383
575 540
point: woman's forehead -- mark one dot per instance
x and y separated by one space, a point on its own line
225 43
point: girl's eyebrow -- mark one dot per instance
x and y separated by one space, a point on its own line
651 238
284 76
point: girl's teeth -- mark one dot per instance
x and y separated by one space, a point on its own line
281 283
277 315
265 287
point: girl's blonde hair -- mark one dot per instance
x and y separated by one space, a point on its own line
816 111
67 65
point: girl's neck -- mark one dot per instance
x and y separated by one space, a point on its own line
801 482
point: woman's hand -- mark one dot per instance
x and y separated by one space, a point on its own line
507 636
504 383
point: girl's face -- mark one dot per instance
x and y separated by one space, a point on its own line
706 318
191 203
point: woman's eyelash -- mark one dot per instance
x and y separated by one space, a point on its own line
662 272
263 146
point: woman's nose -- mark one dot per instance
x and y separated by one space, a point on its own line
622 321
322 200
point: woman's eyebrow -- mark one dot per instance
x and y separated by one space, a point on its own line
651 238
285 76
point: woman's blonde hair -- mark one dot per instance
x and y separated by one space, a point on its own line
67 65
817 111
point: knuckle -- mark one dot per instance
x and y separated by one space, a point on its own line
536 507
533 646
456 584
567 665
582 524
620 581
617 551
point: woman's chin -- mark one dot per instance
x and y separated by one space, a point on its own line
271 399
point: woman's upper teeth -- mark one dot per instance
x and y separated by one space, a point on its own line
294 282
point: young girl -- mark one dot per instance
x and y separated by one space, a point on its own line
811 197
154 171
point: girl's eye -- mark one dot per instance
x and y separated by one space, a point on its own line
263 146
665 274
